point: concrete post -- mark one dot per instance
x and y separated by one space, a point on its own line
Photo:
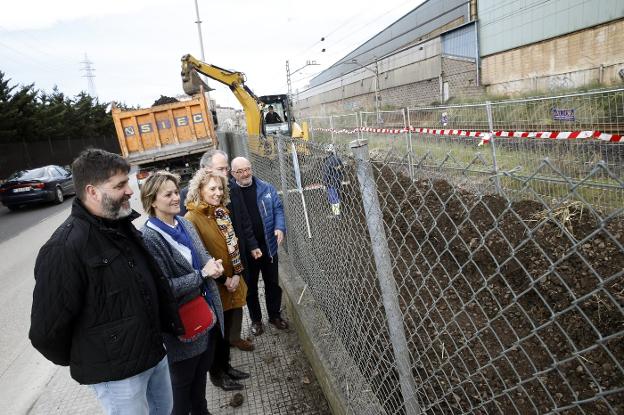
387 283
488 109
281 153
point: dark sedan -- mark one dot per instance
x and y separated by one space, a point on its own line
43 184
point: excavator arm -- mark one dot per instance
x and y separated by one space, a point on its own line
252 106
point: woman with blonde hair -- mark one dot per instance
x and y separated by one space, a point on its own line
205 203
190 270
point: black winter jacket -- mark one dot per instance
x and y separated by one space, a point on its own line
91 309
241 223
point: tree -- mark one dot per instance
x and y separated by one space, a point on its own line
8 113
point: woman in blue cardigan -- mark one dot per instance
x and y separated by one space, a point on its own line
180 254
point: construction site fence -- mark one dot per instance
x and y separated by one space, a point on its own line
456 278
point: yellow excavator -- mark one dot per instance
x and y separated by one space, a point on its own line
253 106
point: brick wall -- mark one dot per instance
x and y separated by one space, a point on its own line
411 95
461 75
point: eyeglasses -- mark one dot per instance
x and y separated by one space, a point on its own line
242 171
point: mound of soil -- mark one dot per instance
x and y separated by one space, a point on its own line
510 307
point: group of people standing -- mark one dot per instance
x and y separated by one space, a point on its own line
144 316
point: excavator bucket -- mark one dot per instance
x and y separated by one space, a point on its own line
192 83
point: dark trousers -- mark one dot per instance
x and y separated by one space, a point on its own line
221 360
272 290
188 380
233 324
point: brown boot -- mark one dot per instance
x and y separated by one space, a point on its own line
244 345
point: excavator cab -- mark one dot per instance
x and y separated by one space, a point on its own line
280 121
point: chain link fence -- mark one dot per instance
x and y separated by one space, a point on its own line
458 278
449 138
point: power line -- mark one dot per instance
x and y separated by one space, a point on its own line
347 23
367 24
30 46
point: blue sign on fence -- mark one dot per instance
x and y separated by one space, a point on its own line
559 114
444 119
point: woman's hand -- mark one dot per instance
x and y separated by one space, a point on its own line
232 283
256 253
213 268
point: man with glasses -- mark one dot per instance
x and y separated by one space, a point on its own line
267 217
247 243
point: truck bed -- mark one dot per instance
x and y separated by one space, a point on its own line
169 151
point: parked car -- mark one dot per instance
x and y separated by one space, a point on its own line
43 184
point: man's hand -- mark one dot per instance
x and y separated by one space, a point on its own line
279 235
213 268
256 253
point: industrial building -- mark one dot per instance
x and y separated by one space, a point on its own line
456 49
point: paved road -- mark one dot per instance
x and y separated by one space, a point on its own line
12 223
23 371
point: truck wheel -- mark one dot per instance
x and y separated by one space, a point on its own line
58 196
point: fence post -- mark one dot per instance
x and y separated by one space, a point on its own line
389 291
331 130
311 130
408 137
282 167
488 109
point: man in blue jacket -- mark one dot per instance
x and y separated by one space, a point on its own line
267 217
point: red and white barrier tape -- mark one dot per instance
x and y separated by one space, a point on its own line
485 136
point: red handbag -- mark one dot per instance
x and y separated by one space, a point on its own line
197 317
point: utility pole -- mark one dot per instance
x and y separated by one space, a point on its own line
89 74
201 47
290 74
376 84
290 98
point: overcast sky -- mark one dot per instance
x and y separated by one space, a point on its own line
135 46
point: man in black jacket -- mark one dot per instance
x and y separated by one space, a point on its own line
100 303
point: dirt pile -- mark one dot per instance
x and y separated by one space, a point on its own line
510 307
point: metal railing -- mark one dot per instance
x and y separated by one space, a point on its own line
591 117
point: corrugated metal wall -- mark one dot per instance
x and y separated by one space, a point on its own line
460 42
507 24
409 29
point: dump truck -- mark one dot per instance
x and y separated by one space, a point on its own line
169 137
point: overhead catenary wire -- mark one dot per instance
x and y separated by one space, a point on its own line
351 32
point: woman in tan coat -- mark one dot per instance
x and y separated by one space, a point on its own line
206 200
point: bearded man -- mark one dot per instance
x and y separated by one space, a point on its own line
100 304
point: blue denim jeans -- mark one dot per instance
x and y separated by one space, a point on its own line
148 392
